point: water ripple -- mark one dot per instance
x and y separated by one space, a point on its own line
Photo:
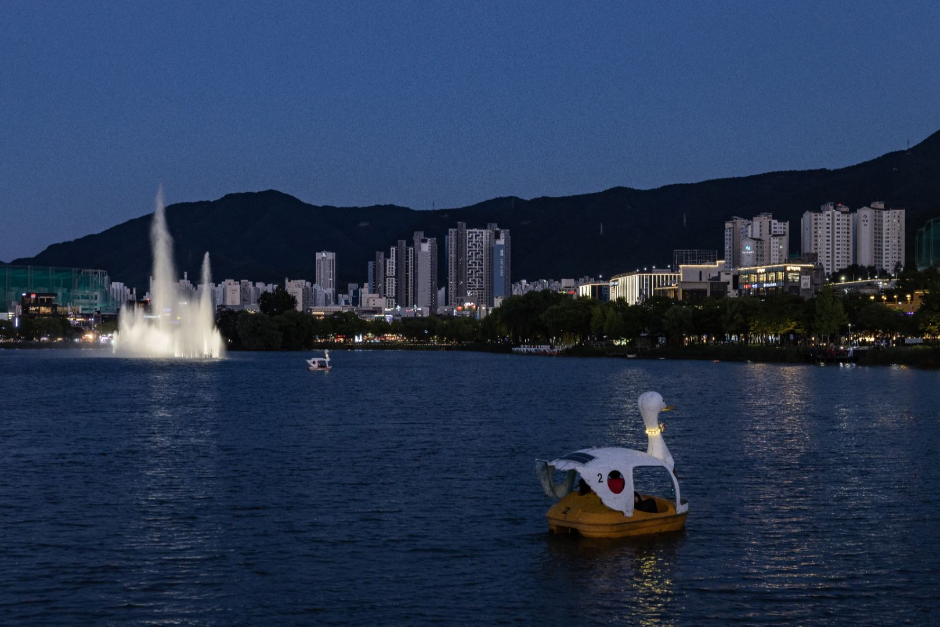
399 489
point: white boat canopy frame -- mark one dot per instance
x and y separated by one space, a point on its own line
609 473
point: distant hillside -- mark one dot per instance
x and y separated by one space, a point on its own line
267 236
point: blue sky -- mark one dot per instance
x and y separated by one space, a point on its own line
437 103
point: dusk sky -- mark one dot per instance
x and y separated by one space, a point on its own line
436 103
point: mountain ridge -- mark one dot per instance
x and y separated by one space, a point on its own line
269 235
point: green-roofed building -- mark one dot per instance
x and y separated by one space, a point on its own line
77 290
927 245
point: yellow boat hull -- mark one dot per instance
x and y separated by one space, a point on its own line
588 516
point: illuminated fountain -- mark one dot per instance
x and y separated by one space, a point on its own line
177 325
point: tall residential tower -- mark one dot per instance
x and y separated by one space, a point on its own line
879 237
829 234
478 260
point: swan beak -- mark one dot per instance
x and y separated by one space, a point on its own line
668 408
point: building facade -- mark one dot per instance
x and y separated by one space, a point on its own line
456 246
801 279
598 290
879 237
77 290
927 245
685 257
636 287
704 280
378 275
477 261
425 272
760 240
326 273
480 266
735 232
829 234
502 263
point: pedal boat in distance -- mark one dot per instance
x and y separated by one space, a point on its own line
605 508
320 363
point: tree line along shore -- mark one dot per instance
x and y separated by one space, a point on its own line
782 328
776 328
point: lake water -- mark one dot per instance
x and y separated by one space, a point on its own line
400 489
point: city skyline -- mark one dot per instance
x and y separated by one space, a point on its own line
349 109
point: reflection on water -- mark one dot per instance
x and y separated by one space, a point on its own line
400 490
629 580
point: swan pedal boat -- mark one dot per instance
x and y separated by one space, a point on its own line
588 516
604 507
320 363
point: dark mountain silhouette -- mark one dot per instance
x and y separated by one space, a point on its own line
267 236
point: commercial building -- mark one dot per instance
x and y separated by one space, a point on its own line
598 290
704 280
636 287
35 305
685 257
927 245
801 279
829 234
77 290
758 241
879 237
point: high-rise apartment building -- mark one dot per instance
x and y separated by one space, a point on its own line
326 273
879 237
302 291
478 259
735 232
407 277
391 276
502 267
759 241
425 272
403 271
378 275
480 266
829 234
456 246
231 293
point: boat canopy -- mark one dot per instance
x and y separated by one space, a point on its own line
609 473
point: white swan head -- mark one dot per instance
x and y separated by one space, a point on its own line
651 404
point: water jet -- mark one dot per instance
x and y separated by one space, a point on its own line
176 325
